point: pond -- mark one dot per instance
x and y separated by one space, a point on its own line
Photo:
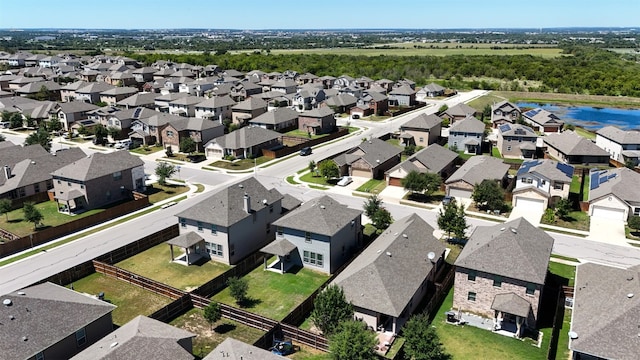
592 118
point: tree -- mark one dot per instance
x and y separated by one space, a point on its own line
486 112
29 121
372 205
460 224
5 207
2 138
447 217
488 195
421 340
15 120
100 132
630 164
634 222
329 169
330 308
238 288
352 342
43 94
409 150
563 208
312 166
32 214
212 313
114 132
187 145
165 170
54 125
381 219
414 182
443 108
41 136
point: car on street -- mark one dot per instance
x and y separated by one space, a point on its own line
305 151
344 181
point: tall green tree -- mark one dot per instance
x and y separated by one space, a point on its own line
460 224
414 182
421 340
372 205
634 222
447 217
100 132
352 342
488 195
32 214
165 170
381 219
41 136
16 120
238 287
187 145
328 169
54 125
114 132
212 313
330 308
312 167
563 208
5 207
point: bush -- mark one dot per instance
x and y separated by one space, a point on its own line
238 288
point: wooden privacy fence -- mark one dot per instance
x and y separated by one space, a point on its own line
138 280
242 268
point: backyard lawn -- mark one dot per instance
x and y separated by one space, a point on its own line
242 164
308 353
130 300
304 134
51 218
155 264
206 339
157 192
274 295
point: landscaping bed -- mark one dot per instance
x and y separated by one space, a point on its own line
242 164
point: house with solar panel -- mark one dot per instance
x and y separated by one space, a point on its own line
541 183
614 194
543 121
516 141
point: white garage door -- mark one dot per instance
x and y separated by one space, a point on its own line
460 193
608 213
530 204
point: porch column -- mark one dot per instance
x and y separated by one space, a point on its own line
393 325
518 325
281 265
171 249
187 254
264 260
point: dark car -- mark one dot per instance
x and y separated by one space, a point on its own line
447 199
305 151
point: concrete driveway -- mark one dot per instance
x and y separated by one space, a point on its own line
607 231
531 215
393 193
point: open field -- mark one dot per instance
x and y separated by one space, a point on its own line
157 192
570 99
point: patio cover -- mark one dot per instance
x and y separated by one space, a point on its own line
185 240
472 142
280 247
71 195
631 153
406 136
528 146
512 304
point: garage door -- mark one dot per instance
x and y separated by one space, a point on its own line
394 181
608 213
361 173
460 193
530 204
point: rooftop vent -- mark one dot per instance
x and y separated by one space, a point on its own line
241 186
573 335
264 201
630 295
22 293
11 317
388 254
114 344
322 207
501 229
514 231
405 236
431 255
7 302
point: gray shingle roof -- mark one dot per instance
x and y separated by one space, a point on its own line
542 117
95 87
185 240
468 125
195 124
433 87
318 112
290 202
322 215
375 152
403 90
245 137
423 121
276 116
622 182
280 247
98 165
187 100
45 314
139 99
516 130
386 283
341 100
433 158
120 91
226 207
232 349
515 249
604 317
76 106
251 103
550 169
216 102
620 136
512 304
570 143
141 337
479 168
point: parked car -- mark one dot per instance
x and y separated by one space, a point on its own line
345 180
123 144
446 200
305 151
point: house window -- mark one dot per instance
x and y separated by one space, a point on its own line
558 186
544 182
636 211
268 228
81 337
497 281
59 182
22 192
527 180
214 229
531 289
471 276
199 226
508 148
421 139
117 175
271 208
307 237
36 188
169 133
81 186
214 249
108 195
312 258
279 230
183 222
471 296
40 356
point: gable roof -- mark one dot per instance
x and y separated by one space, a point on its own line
434 158
511 303
542 117
216 102
550 169
98 165
375 152
320 112
95 87
386 275
119 91
423 121
322 215
194 124
341 100
433 87
226 206
276 116
479 168
245 137
75 106
232 349
141 337
621 182
403 90
516 130
570 143
139 99
515 249
34 87
605 317
468 125
44 314
187 100
459 110
251 103
619 136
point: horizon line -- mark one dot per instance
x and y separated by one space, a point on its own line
329 29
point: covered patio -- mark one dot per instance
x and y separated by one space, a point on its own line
471 146
511 312
528 150
70 202
282 248
192 244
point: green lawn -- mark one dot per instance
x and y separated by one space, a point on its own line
575 187
142 150
206 339
242 164
157 192
274 295
577 220
304 134
51 217
563 337
373 186
485 100
395 142
585 133
495 152
468 342
311 178
308 353
130 300
566 271
155 264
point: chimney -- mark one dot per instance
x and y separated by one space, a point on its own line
247 203
7 172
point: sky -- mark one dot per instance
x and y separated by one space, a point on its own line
322 14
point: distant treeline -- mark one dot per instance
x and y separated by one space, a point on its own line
584 70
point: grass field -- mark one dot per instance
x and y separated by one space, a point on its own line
51 217
243 164
566 271
130 300
312 179
147 150
155 264
570 99
577 220
373 186
157 192
274 295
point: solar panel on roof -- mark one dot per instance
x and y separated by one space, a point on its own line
565 168
136 113
504 127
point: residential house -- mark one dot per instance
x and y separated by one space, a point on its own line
49 61
121 77
317 121
604 320
185 106
232 349
246 142
541 183
622 146
68 92
467 135
327 81
149 130
280 119
306 78
572 148
504 112
71 112
614 194
34 90
235 221
199 130
432 159
341 103
370 159
402 96
21 81
390 278
516 141
473 172
17 60
308 97
162 102
215 108
142 337
501 272
421 130
322 234
243 112
244 90
458 112
124 119
431 90
543 121
385 84
143 74
371 103
92 92
97 180
112 96
285 86
48 321
89 75
147 100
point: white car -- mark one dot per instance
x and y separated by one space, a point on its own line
345 180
